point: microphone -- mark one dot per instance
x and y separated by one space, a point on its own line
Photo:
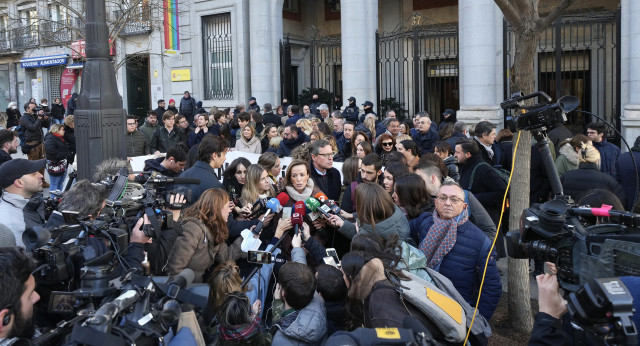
320 196
296 221
262 202
180 281
272 207
300 208
333 207
314 205
283 198
161 179
102 318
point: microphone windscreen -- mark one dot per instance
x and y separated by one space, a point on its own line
296 219
184 279
273 204
312 203
300 208
320 196
283 198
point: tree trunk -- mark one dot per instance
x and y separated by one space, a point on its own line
519 295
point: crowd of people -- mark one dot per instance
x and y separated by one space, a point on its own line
416 200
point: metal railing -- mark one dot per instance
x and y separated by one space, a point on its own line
137 22
61 32
25 37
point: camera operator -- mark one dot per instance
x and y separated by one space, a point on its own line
547 329
21 204
18 296
33 121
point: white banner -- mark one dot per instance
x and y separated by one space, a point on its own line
137 162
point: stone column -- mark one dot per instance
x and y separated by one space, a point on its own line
359 22
630 69
480 61
265 34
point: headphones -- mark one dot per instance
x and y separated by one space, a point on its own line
7 318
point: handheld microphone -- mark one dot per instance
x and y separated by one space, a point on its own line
314 205
180 281
283 198
296 221
300 208
334 208
272 207
262 202
161 179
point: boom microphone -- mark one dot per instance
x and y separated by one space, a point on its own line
161 179
272 207
296 221
180 281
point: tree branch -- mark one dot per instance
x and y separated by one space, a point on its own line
545 22
510 13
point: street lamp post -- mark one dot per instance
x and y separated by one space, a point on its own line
99 118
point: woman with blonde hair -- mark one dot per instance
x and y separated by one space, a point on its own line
202 242
271 162
270 131
305 125
3 120
370 124
249 142
224 279
257 185
315 135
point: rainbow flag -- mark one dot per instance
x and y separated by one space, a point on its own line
171 26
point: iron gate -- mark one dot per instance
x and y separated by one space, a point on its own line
578 55
326 62
418 66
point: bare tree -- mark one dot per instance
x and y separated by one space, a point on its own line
524 18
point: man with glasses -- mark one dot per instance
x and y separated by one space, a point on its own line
609 152
292 137
183 125
458 249
326 177
135 141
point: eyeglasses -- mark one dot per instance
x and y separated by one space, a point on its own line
327 155
453 199
387 144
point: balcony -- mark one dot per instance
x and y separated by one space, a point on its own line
61 32
136 23
25 37
5 43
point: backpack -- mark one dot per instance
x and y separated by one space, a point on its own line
444 306
502 173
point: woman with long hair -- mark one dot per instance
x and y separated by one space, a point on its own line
239 322
56 152
405 127
257 185
350 169
269 132
249 142
363 149
204 234
234 177
411 194
370 124
358 137
446 131
315 135
384 145
224 279
304 125
391 173
271 162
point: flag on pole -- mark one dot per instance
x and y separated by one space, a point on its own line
171 26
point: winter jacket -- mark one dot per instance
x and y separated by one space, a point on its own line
307 326
270 118
539 182
208 179
195 138
155 165
264 144
70 139
496 160
287 145
330 183
136 143
452 165
344 145
578 182
627 176
57 111
567 160
251 146
460 266
195 250
4 157
12 117
609 154
487 186
56 148
293 119
557 135
187 106
397 223
19 213
454 139
71 104
160 112
162 140
547 331
426 141
32 126
148 130
351 112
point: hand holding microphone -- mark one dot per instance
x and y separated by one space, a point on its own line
331 205
296 221
272 207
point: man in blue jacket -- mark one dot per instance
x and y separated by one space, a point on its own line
424 137
458 249
627 175
212 152
609 152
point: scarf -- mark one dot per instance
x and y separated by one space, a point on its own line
370 273
240 332
306 193
59 136
441 237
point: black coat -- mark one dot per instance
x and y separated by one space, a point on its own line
162 140
32 126
71 104
426 141
4 157
12 117
70 139
329 183
270 118
57 111
56 148
576 183
487 186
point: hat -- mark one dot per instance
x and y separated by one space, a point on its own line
7 238
16 168
252 98
368 104
172 101
448 111
199 104
351 98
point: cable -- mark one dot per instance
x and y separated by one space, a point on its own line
486 264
